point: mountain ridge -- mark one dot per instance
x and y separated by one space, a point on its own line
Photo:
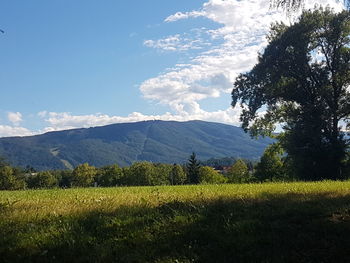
125 143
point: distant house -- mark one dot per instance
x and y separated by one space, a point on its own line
30 174
222 169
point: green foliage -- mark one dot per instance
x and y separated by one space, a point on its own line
11 178
270 167
347 167
83 175
163 172
126 176
192 169
239 173
109 175
207 175
177 175
64 177
42 180
302 80
141 173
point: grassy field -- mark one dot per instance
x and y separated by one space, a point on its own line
279 222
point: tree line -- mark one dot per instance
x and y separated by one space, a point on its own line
138 174
272 167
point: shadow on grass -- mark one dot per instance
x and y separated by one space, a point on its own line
270 228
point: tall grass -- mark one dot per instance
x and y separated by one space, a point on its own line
272 222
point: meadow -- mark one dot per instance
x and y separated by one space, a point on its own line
270 222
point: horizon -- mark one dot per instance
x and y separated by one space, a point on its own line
70 65
101 126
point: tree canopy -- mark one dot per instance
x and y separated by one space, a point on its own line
193 166
177 175
207 175
270 167
302 82
83 175
238 173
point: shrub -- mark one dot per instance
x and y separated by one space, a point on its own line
11 178
42 180
239 173
207 175
163 174
109 175
83 175
177 175
141 173
270 167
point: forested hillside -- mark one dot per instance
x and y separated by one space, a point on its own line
155 141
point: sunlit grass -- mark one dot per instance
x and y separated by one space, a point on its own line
168 223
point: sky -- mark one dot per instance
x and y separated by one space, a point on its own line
69 64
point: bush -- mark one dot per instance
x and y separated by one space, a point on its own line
83 175
11 178
207 175
177 175
141 173
42 180
109 175
64 177
163 174
271 167
239 173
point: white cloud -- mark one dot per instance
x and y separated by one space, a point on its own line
244 25
221 55
170 43
179 42
180 15
42 114
57 121
64 120
9 131
14 117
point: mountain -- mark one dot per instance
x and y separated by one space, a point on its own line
125 143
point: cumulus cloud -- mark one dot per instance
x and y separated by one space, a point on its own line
56 121
172 43
64 120
180 15
211 73
179 42
9 131
221 54
42 114
14 117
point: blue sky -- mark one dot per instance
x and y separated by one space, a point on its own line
69 64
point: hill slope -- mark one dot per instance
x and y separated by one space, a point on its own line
156 141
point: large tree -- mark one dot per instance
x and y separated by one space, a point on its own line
42 180
110 175
141 173
270 167
302 82
83 175
238 173
193 166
